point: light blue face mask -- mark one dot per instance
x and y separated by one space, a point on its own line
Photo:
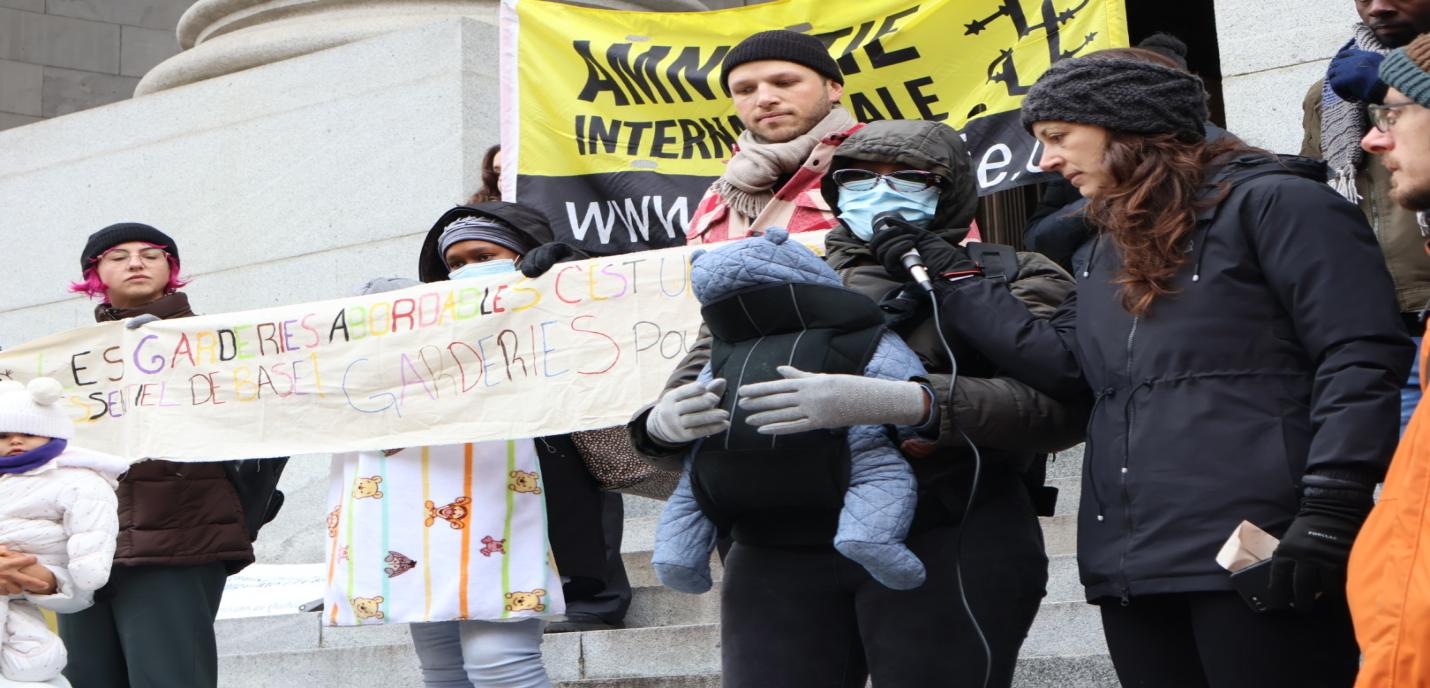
858 208
496 266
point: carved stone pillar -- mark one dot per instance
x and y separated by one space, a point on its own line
224 36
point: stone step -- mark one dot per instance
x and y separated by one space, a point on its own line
1066 464
1087 671
1060 534
1069 492
672 639
1063 583
640 573
668 657
1061 629
1033 672
692 681
660 606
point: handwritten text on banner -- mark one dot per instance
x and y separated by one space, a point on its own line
497 358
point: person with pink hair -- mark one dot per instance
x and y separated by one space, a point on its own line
130 265
184 528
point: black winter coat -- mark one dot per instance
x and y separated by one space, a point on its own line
1281 353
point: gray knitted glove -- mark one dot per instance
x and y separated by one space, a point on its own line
809 401
688 413
139 321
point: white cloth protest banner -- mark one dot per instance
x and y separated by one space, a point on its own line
494 358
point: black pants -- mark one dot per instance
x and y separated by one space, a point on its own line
1213 640
150 627
610 603
808 617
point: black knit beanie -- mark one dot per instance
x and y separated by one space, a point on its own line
1119 94
781 44
113 235
1168 46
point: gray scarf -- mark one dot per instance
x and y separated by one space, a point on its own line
1343 124
749 178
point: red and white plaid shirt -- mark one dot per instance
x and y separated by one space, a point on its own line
798 206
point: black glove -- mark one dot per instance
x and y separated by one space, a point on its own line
1311 559
1354 75
539 260
940 257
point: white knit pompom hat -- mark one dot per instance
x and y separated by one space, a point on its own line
32 408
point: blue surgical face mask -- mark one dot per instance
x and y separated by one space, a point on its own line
496 266
858 208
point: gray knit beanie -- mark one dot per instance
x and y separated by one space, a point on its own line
1405 70
1119 94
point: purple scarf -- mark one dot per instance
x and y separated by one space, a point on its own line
34 458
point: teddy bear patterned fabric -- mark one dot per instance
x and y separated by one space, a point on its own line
878 506
455 532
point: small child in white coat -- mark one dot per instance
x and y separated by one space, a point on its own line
57 504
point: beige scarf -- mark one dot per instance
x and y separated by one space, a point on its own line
746 186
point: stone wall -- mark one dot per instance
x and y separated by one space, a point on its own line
62 56
1271 53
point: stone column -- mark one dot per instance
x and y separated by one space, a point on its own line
220 37
224 36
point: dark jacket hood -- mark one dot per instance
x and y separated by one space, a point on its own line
1248 166
920 145
759 260
524 219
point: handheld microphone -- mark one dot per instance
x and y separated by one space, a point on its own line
911 260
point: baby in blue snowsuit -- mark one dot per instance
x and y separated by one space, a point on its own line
770 302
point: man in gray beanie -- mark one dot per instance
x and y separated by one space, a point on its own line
1334 123
1400 131
786 90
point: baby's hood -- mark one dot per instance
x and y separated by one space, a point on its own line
108 466
767 259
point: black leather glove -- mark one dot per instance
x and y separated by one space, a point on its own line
1311 559
539 260
940 257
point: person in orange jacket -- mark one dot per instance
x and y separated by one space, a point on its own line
1388 583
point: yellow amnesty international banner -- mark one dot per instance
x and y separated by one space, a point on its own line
616 121
495 358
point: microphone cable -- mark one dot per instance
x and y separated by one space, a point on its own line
972 494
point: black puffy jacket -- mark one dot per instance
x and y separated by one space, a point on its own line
1281 353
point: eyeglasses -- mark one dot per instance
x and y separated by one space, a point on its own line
1384 116
904 181
121 256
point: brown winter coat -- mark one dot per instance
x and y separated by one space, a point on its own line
177 514
1395 227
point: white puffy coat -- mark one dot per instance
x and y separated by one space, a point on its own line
65 514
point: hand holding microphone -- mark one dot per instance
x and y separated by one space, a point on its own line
905 249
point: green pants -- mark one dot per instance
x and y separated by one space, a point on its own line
150 627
